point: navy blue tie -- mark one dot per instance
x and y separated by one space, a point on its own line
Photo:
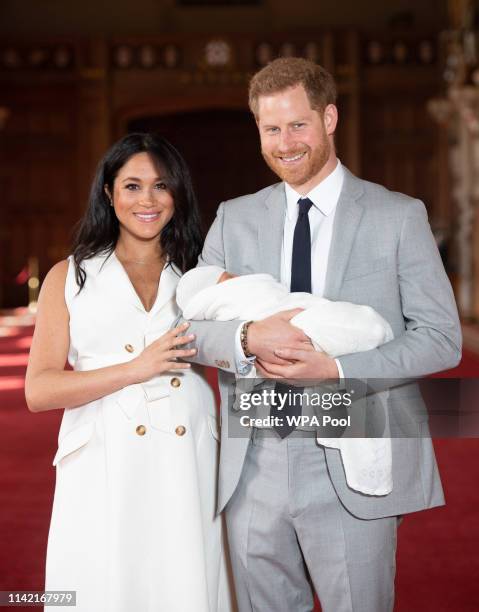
301 260
300 281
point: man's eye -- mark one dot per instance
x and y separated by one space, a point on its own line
298 125
272 130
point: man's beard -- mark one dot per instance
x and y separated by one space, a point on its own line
314 162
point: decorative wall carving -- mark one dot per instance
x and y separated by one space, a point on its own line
37 57
404 50
457 113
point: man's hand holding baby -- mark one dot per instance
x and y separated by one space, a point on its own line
304 364
266 335
284 351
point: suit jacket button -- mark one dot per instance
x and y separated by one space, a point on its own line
141 430
175 382
129 348
180 430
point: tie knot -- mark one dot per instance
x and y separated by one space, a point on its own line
304 206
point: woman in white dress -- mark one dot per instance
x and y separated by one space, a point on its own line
133 523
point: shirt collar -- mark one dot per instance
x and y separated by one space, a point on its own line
324 196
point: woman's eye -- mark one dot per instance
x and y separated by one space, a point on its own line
161 185
131 186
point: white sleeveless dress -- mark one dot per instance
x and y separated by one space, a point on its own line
133 524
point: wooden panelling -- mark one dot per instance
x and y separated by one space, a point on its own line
67 105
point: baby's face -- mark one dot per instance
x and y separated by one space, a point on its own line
225 276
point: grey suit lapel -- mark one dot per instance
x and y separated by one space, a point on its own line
270 231
348 215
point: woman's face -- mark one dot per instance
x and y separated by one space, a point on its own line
141 198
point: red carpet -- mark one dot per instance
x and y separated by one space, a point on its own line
438 559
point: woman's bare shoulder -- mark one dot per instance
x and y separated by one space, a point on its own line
54 282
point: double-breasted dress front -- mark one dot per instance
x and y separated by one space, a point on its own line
133 524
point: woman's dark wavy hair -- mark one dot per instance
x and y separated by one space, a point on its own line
181 239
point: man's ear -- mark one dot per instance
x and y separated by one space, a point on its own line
330 118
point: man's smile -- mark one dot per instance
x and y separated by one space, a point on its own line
291 159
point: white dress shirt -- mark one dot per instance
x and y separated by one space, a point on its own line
324 197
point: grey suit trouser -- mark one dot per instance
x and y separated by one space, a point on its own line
290 534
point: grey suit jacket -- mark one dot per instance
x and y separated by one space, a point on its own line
382 254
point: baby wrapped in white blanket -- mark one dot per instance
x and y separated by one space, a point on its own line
336 328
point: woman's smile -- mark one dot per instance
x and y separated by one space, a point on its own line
147 217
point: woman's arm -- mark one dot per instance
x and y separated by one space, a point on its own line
49 386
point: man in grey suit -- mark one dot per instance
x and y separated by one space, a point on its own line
293 521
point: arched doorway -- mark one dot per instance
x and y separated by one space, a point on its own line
222 149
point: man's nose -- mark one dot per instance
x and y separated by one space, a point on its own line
286 140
